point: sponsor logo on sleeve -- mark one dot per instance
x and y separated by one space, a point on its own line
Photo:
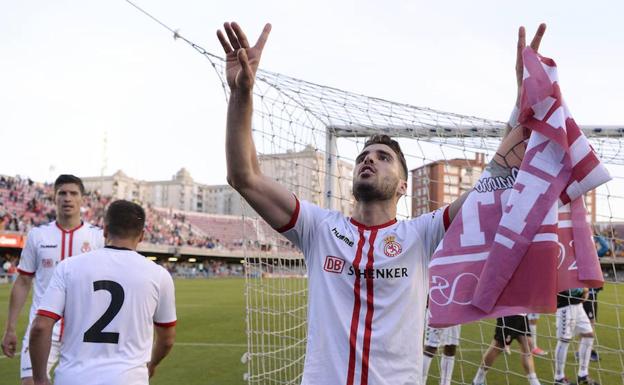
43 246
47 262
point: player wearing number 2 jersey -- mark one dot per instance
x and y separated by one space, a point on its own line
46 246
112 300
368 274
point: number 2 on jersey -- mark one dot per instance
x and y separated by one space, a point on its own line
95 333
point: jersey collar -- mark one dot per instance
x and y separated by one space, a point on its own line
70 230
117 248
375 227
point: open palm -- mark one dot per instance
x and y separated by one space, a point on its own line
241 60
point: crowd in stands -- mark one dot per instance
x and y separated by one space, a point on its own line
613 238
208 269
25 204
164 227
8 267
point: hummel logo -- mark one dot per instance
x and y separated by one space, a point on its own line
343 238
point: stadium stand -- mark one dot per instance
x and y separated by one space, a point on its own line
25 203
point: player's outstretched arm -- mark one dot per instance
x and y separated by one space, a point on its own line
39 346
19 293
163 343
511 149
270 199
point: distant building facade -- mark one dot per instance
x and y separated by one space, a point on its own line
439 183
302 172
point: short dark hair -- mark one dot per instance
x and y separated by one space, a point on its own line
124 219
393 144
68 179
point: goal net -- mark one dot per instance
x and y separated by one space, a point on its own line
308 135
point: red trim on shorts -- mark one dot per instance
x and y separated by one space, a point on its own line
49 314
293 219
375 227
165 324
24 272
369 309
446 218
355 316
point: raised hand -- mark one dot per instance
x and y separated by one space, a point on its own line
241 60
511 150
535 43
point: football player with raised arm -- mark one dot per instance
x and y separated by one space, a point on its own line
367 274
114 301
46 246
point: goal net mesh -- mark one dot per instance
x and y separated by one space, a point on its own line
308 135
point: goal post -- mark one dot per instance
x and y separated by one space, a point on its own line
308 135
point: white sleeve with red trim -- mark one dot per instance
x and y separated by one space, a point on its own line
431 227
165 314
28 259
303 224
53 301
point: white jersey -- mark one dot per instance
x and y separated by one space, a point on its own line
367 291
46 246
110 300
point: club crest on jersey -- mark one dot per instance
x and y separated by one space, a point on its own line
85 247
392 248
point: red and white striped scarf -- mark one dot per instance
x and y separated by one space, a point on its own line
507 252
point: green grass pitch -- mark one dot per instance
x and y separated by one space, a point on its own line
211 340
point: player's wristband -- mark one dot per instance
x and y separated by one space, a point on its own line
513 119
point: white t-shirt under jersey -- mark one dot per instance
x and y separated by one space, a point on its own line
46 246
367 289
110 300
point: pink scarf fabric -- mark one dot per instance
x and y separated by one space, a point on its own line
509 250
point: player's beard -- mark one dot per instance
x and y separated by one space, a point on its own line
369 191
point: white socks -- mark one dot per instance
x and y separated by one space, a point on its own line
426 364
533 328
480 376
446 369
532 377
585 347
561 353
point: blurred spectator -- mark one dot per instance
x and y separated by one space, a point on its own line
25 203
9 266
